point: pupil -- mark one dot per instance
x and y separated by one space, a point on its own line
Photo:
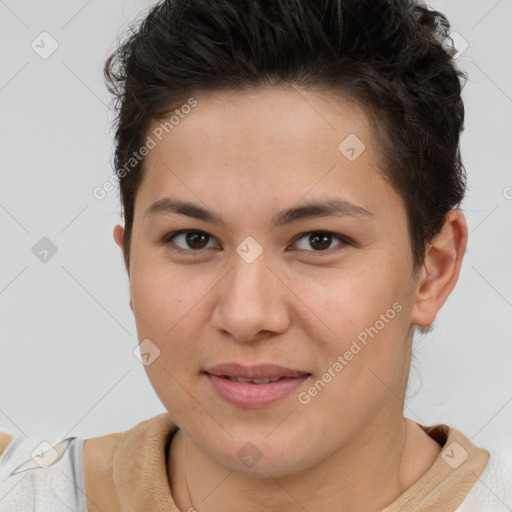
320 236
193 238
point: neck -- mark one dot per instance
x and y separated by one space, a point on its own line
369 473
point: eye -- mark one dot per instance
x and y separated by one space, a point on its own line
320 240
196 240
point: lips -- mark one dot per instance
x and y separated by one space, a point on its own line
253 381
259 372
252 387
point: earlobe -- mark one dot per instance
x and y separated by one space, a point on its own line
119 239
443 261
118 235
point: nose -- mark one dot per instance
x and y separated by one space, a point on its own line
251 301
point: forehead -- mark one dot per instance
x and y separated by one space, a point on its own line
272 145
271 115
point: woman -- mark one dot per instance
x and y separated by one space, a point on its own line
290 179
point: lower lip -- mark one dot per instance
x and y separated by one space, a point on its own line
253 396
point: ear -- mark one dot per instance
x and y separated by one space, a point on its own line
118 238
440 272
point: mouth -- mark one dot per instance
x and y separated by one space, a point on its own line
252 381
254 387
254 373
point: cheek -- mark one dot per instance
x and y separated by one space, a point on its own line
359 315
163 306
347 300
161 296
167 306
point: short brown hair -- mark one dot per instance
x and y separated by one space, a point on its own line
392 56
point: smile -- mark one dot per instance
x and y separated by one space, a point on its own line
254 393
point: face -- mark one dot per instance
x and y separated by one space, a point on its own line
327 295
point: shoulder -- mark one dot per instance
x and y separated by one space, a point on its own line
5 439
75 473
50 476
115 465
493 490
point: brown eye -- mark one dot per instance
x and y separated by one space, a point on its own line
190 240
196 239
320 241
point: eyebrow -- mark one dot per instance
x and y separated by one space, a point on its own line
311 210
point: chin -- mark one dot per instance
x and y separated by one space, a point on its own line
258 457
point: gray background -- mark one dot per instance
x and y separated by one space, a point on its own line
67 332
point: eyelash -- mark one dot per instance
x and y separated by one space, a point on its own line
169 237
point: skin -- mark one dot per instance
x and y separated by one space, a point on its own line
246 156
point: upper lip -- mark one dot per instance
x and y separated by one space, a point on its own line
261 371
